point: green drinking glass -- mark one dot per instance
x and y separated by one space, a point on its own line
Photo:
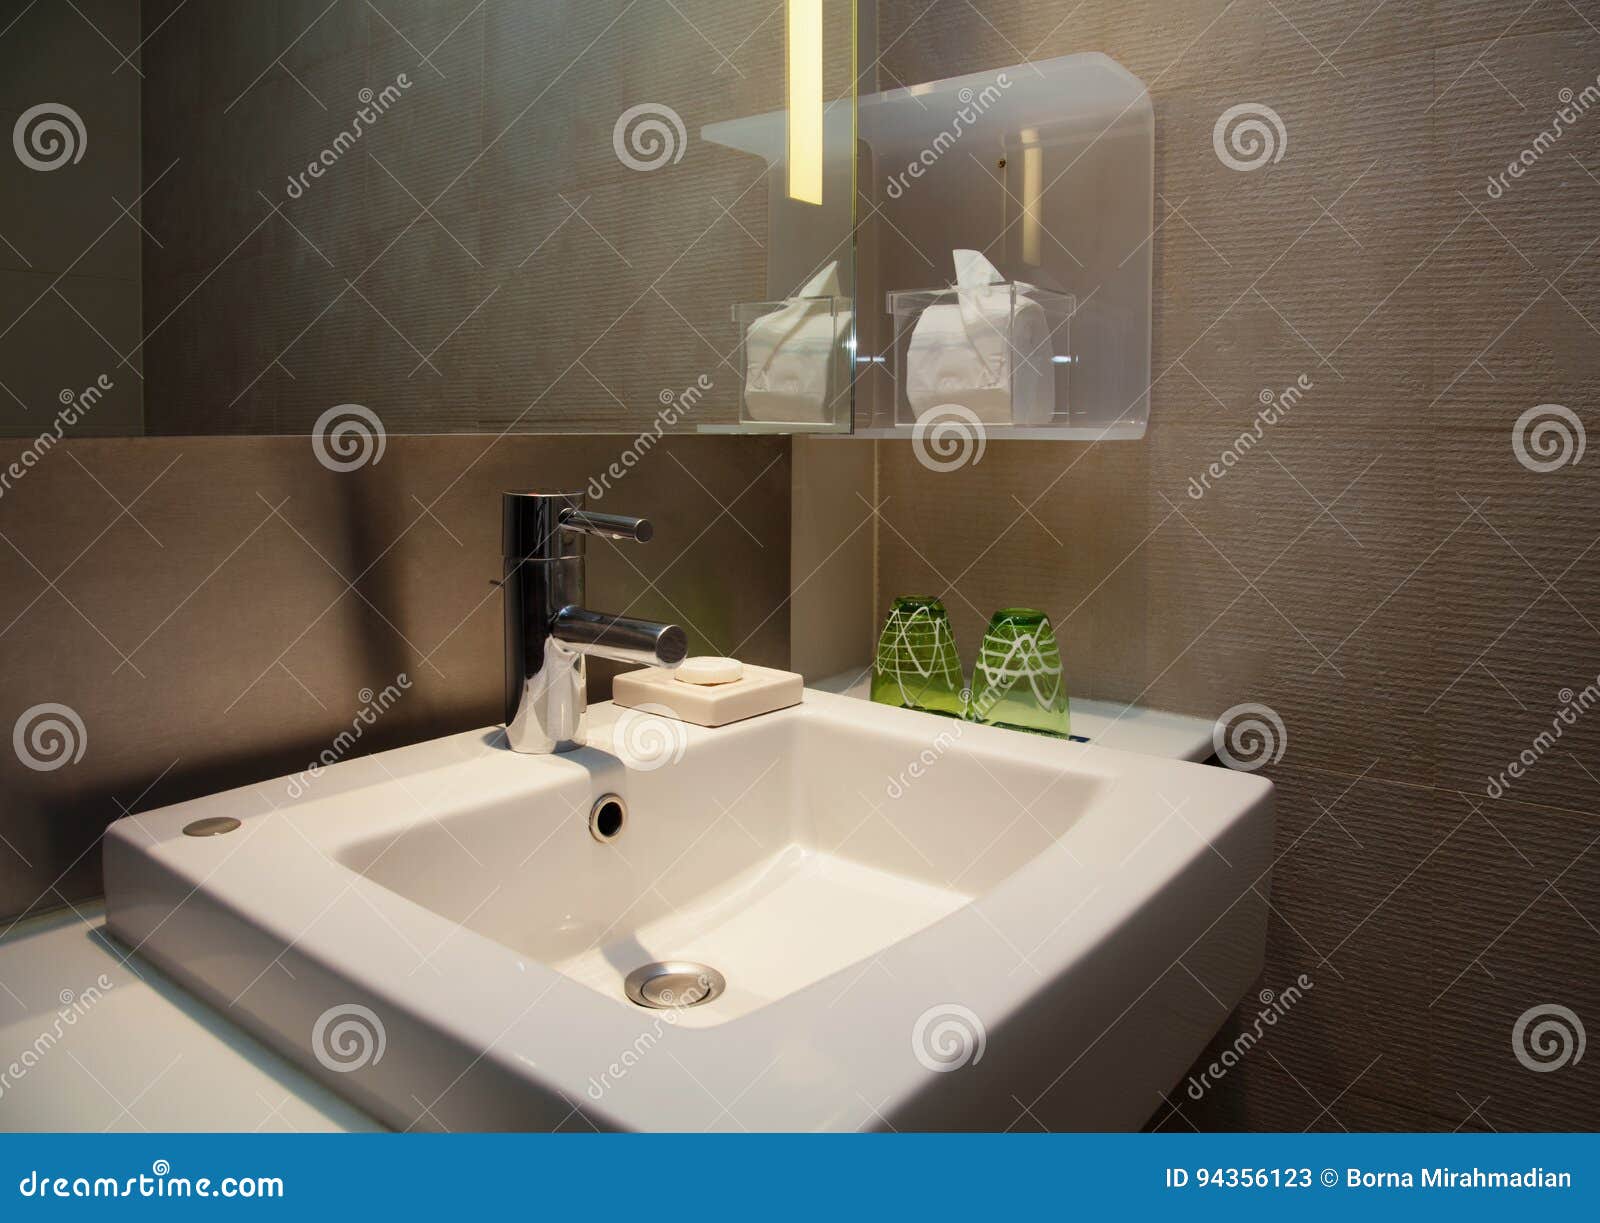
916 666
1017 682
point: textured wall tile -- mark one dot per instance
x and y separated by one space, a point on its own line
67 216
64 333
69 255
1485 22
1514 890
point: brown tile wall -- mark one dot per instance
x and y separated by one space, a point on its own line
69 259
1380 570
211 609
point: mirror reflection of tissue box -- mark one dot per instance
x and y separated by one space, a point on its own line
998 349
796 355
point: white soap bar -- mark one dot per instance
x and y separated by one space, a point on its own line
757 691
708 671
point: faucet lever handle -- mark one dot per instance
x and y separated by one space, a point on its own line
612 526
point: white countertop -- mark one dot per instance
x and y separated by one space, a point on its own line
92 1041
1127 728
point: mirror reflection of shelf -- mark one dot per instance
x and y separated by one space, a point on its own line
1047 170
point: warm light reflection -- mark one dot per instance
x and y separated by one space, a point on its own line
805 101
1032 188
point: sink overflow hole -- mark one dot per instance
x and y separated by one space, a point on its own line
215 826
607 817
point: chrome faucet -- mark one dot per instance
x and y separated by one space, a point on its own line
548 630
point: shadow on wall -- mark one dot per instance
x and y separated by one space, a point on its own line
250 609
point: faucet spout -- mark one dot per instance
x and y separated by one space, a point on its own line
620 638
549 632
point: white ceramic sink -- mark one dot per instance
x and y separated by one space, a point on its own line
921 923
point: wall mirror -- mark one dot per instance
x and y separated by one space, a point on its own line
455 216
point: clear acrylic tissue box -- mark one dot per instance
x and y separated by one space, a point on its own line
795 363
999 354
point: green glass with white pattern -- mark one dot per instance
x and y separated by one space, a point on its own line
1017 682
916 665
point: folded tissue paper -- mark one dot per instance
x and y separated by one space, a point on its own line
989 350
790 355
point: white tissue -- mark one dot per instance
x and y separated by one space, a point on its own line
979 354
789 355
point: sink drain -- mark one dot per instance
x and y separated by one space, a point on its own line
673 984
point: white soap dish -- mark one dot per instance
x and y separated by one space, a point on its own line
759 690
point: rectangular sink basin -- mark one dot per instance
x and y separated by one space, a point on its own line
900 920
